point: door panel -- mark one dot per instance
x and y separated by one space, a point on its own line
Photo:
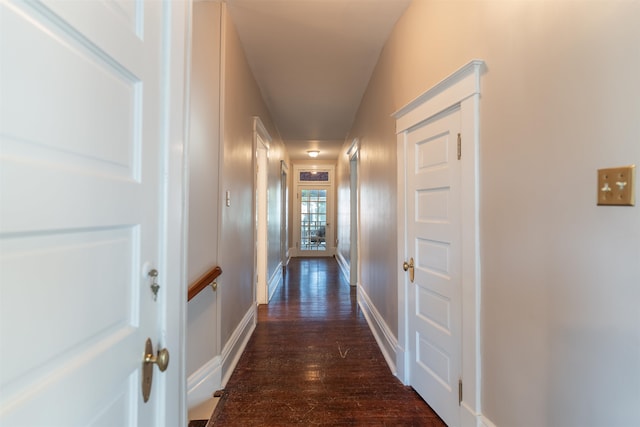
433 227
80 134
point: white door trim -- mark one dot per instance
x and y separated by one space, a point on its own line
284 214
261 141
460 88
354 200
175 221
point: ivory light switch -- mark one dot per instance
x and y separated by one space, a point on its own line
616 186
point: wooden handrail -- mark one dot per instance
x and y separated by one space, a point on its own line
204 281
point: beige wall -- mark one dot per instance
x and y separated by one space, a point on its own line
203 180
377 179
241 102
221 159
560 276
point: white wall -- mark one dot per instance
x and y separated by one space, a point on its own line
561 276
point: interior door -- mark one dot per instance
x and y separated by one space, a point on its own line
433 241
81 203
313 219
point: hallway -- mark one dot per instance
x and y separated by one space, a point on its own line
313 361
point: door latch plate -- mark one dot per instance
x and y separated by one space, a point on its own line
147 372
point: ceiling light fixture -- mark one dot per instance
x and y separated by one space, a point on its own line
313 153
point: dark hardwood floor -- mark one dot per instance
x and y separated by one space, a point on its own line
312 360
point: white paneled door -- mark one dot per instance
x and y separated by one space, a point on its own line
433 241
83 162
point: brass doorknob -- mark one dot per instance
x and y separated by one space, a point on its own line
409 266
161 359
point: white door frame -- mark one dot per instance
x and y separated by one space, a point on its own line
354 200
460 88
284 214
175 221
261 141
330 229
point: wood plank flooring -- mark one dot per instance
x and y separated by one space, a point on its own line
312 360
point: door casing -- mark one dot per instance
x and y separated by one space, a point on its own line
461 88
284 214
354 201
261 141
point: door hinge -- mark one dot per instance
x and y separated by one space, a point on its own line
460 392
459 146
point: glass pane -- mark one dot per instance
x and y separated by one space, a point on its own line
314 176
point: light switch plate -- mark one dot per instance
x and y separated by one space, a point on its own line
616 186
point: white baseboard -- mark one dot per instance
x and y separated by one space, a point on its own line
484 422
345 268
233 348
204 382
274 282
471 418
209 377
386 341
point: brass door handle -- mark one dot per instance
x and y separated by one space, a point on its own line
410 267
161 359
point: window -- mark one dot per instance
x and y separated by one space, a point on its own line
314 176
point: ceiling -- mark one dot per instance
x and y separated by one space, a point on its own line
312 60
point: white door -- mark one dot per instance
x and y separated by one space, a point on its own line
81 212
433 241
